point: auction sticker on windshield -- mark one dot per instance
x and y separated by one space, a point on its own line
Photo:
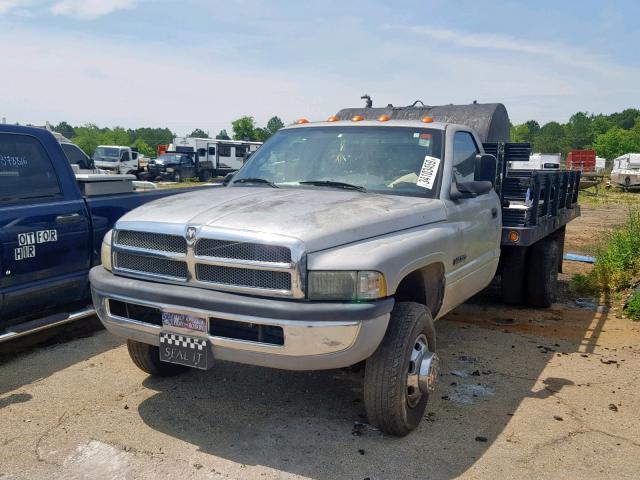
428 173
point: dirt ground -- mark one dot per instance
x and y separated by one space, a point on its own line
523 394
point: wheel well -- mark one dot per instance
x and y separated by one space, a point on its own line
425 286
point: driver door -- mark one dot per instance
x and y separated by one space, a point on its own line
476 249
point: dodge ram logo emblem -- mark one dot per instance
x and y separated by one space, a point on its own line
191 234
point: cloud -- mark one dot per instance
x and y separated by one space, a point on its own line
11 6
90 9
556 52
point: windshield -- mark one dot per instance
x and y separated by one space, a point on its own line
168 159
108 154
379 159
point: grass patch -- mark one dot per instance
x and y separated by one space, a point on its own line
610 196
632 308
617 260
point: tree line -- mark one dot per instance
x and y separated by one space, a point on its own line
609 135
146 140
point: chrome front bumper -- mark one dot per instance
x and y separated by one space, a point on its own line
309 344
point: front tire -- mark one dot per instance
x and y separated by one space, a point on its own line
396 392
177 177
147 358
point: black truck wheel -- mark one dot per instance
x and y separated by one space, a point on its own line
177 177
542 272
147 358
205 175
402 372
514 263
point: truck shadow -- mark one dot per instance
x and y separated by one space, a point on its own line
28 359
313 424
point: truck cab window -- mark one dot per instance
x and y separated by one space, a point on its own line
125 157
241 151
464 157
26 170
76 156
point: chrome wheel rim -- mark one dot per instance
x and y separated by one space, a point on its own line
423 371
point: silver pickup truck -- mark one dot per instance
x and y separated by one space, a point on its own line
338 242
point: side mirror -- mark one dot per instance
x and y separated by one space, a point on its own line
227 178
486 168
469 189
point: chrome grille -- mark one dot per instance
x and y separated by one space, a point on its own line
151 241
245 277
206 247
218 260
151 265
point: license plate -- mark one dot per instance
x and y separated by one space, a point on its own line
182 320
185 350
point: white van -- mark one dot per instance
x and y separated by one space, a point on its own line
215 157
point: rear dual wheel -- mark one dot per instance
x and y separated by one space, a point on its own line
530 275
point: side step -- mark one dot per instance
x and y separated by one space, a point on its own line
33 326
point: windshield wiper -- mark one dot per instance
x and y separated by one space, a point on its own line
256 180
329 183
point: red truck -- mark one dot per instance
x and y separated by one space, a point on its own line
582 160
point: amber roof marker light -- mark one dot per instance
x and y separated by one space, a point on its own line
357 118
384 118
427 119
300 121
333 118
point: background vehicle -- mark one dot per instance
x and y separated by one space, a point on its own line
626 171
117 159
582 160
340 242
172 167
215 157
538 161
53 220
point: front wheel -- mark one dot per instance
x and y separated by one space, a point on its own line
147 358
402 372
177 177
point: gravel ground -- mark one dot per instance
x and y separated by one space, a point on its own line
523 394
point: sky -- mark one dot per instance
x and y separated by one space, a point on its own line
196 63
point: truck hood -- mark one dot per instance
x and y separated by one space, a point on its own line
321 218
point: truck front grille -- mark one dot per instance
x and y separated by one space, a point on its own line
223 263
244 277
151 265
207 247
151 241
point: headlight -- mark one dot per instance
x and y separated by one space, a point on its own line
345 285
105 250
169 170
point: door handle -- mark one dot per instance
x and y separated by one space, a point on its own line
68 218
494 212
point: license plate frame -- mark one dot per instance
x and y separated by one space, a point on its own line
185 350
186 321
